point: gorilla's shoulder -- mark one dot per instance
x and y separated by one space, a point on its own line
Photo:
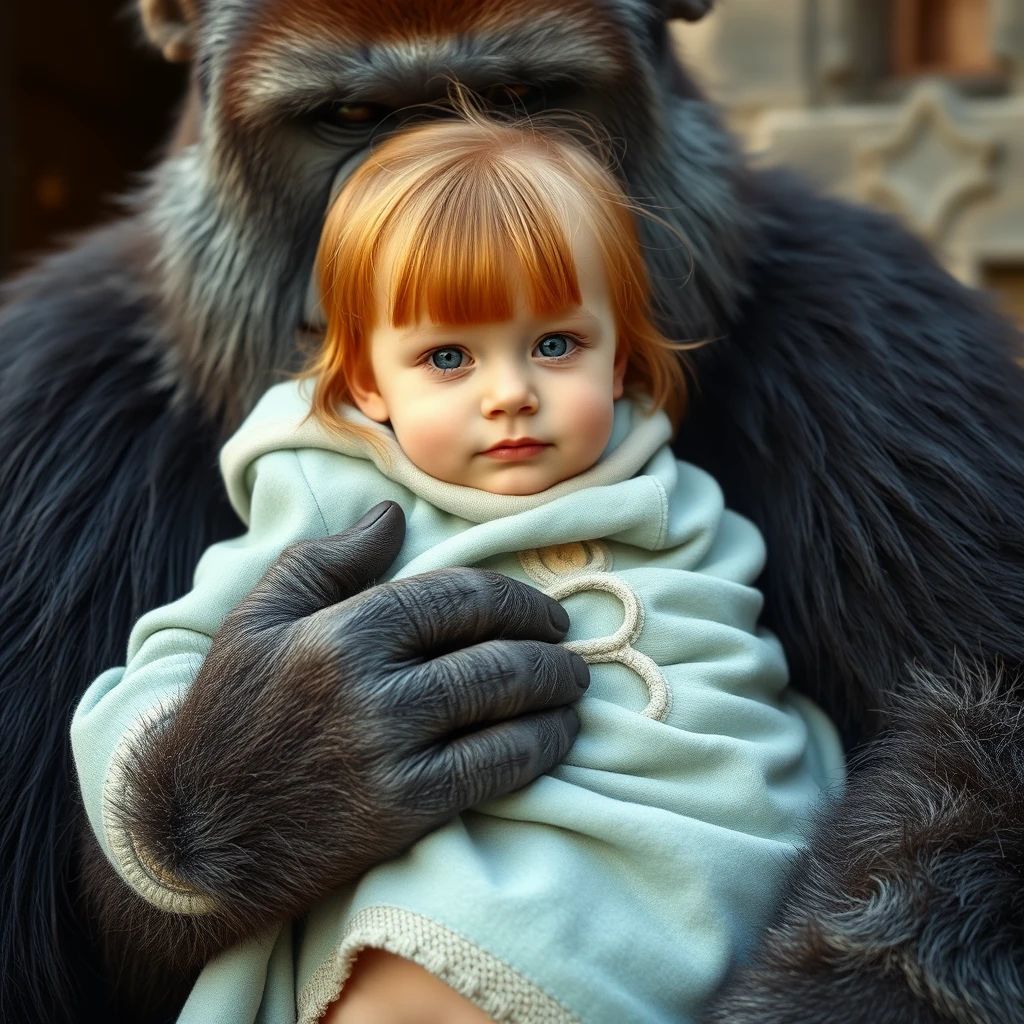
857 273
92 300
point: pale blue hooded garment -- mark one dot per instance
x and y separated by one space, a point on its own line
616 888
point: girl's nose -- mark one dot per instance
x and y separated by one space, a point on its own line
509 394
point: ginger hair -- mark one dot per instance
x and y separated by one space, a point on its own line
459 206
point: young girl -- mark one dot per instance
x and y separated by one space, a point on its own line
490 364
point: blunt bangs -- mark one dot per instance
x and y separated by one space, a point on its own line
464 244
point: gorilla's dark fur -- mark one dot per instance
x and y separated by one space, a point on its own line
858 404
109 496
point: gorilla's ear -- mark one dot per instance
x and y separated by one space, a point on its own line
691 10
170 25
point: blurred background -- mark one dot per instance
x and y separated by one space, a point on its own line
84 107
916 106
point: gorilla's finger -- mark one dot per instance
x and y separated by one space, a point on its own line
504 757
453 608
495 681
314 574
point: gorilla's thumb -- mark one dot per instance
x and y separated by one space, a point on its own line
367 549
315 574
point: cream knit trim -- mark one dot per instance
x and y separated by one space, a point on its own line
646 435
135 865
565 569
504 994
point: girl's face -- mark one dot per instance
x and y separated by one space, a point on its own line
511 407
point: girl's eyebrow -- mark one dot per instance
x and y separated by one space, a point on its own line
434 333
574 314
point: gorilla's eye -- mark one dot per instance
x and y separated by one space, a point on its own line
517 97
352 116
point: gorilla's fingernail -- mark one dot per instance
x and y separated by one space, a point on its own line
373 515
559 617
582 670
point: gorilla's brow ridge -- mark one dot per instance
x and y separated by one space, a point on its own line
295 72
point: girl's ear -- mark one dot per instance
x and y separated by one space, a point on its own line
619 373
367 398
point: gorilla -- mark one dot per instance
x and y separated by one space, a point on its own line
859 405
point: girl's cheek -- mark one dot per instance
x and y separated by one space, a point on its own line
586 402
594 422
431 431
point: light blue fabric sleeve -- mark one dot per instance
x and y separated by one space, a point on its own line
168 644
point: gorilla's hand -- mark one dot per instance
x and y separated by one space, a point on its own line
330 726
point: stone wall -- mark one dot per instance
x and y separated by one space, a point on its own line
868 99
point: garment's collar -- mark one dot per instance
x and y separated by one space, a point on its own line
635 438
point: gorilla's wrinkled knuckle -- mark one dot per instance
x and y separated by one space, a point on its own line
550 739
500 663
377 614
488 579
533 667
466 584
479 675
423 608
512 748
497 597
508 764
446 694
489 767
445 592
538 663
497 586
513 603
429 788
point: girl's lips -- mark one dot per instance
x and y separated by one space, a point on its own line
516 451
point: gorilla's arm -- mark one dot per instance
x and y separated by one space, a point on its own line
906 908
866 413
108 495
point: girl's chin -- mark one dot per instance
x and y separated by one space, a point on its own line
519 481
509 478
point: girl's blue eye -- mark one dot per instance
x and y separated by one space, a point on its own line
555 345
446 359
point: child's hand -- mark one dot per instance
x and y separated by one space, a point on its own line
331 726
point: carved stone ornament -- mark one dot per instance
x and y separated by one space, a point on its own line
931 165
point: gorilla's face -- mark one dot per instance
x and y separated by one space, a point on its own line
342 66
292 94
293 88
